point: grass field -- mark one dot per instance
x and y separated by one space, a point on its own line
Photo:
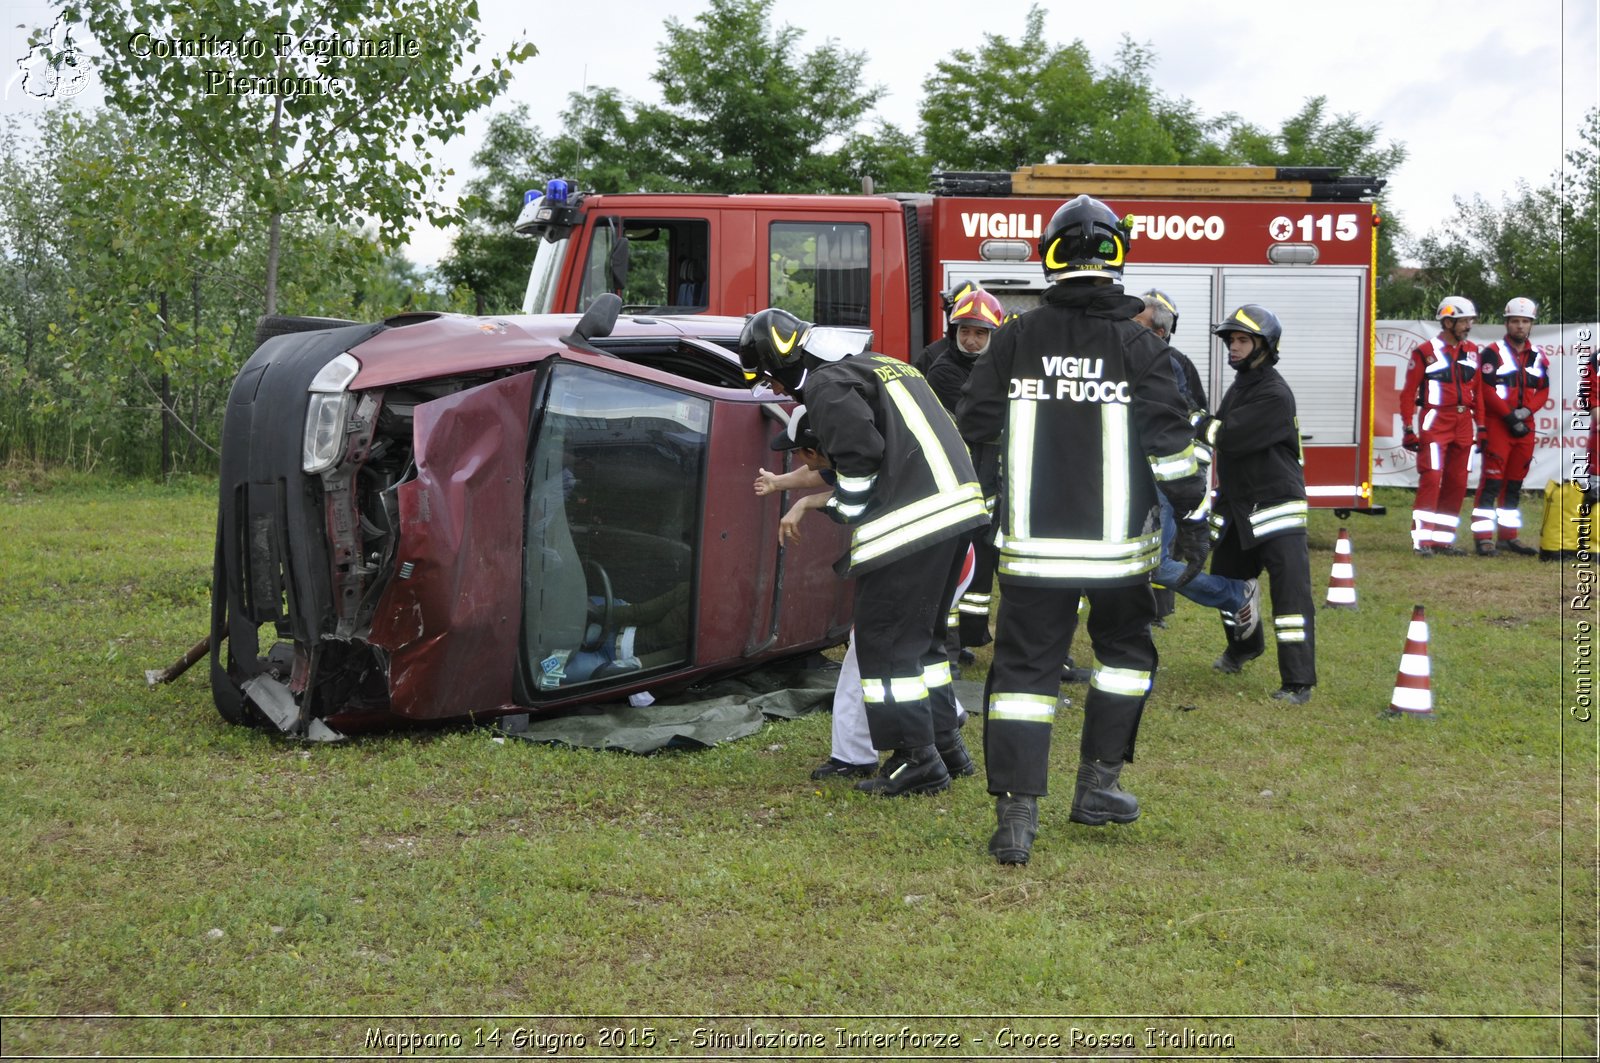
1312 881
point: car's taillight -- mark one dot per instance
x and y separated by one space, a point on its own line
326 414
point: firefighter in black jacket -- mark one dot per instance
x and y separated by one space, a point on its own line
973 319
1260 512
1084 405
906 488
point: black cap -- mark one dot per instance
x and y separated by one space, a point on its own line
798 433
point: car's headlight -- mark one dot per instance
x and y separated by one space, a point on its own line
326 414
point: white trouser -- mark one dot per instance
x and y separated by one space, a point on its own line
851 741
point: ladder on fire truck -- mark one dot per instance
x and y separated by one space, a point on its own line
1062 180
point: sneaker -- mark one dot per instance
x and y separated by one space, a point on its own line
1248 618
1450 551
1099 799
953 751
1485 547
1293 695
1517 547
1228 664
1018 818
834 768
916 771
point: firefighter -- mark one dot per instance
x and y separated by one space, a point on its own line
974 317
904 485
1075 385
1442 382
947 301
851 755
1515 385
1238 600
1260 513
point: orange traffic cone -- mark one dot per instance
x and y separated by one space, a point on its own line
1342 582
1413 688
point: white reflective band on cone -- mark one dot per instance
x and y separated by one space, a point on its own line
1417 631
1413 700
1343 570
1414 664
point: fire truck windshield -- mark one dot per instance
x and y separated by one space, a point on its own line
541 294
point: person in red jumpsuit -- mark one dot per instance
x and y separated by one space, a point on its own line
1515 385
1442 383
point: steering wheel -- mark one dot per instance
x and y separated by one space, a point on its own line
593 638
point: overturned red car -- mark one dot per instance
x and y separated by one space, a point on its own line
439 517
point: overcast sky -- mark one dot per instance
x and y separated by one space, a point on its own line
1481 92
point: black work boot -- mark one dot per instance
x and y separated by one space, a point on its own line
1018 816
1098 800
953 751
919 770
1516 546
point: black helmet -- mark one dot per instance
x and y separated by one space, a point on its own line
948 297
1253 319
1085 238
772 344
1162 299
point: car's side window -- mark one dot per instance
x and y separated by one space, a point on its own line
822 271
613 506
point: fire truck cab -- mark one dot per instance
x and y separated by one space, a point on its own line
1302 243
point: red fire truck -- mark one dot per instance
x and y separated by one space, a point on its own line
1302 242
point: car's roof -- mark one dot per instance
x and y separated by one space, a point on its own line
424 346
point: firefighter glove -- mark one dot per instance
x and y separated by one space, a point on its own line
1192 544
1483 441
1409 441
1519 429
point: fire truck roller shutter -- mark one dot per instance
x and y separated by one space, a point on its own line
1322 340
1193 289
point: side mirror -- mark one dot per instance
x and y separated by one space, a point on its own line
598 320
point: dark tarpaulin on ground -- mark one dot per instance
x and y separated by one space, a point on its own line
702 716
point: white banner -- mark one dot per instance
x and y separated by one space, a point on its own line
1561 426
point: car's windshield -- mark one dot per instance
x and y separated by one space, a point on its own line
613 510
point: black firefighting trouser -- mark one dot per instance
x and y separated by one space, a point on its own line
901 619
1031 639
1287 560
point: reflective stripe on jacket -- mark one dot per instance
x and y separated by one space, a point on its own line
1087 412
905 480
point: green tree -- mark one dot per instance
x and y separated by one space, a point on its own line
1017 103
486 257
1538 241
744 104
1313 136
328 110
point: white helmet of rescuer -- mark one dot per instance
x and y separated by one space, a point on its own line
1454 307
1521 307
